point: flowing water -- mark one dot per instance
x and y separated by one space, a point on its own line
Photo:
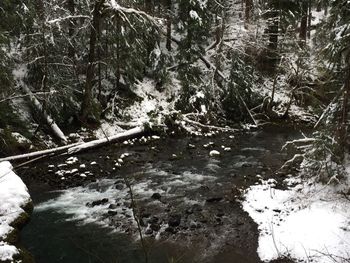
186 201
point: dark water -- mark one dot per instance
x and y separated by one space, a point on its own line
56 240
64 229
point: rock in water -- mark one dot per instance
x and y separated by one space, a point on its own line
98 202
174 220
214 153
156 196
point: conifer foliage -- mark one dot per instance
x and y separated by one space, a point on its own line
219 60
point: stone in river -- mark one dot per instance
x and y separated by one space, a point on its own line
214 199
98 202
174 220
156 196
155 227
112 212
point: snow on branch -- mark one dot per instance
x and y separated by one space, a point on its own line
60 19
303 141
126 10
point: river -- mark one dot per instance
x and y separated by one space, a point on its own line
186 201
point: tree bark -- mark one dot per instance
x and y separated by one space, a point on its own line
248 11
86 107
40 7
343 124
71 26
168 24
304 20
309 19
149 6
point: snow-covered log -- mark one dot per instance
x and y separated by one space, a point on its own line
79 146
53 126
132 133
31 155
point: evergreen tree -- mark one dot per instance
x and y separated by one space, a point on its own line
337 52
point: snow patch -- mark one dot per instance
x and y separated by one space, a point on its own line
153 102
194 15
13 196
303 223
107 129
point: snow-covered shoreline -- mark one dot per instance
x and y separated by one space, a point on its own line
15 206
307 222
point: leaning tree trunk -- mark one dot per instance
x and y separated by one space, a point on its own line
87 105
50 122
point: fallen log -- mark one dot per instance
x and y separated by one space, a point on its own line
50 122
80 146
31 155
132 133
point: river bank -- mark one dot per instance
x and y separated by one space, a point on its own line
15 209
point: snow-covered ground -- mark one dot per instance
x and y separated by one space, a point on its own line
307 222
13 196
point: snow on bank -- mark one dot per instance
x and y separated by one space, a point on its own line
306 223
13 195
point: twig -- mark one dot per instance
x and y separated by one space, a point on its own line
133 207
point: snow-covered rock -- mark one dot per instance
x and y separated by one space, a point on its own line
214 153
15 203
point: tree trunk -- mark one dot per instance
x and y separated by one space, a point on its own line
309 19
248 11
40 7
71 27
343 124
149 6
86 107
118 72
303 22
273 31
168 24
99 68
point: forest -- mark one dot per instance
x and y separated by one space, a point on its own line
192 130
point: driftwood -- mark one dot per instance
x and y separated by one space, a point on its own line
51 123
80 146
